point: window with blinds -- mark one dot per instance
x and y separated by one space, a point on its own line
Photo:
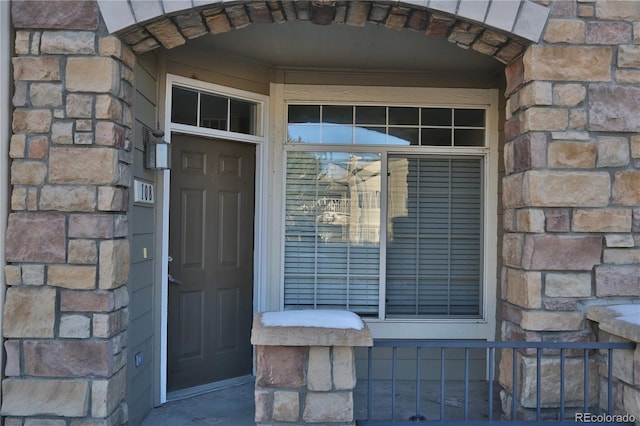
382 231
433 238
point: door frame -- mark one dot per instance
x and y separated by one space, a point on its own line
260 197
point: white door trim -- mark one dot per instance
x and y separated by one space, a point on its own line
261 185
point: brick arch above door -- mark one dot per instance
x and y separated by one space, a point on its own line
498 28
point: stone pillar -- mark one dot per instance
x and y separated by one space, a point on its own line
65 316
306 373
572 161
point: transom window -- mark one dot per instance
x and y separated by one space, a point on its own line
386 125
213 111
387 221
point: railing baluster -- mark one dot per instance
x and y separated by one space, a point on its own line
561 383
466 384
514 382
491 379
394 362
610 382
442 376
586 380
369 383
418 356
538 384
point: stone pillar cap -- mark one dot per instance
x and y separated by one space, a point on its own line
621 320
310 328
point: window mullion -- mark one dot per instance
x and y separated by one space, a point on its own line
198 110
453 127
384 213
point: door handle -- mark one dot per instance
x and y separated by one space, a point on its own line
174 280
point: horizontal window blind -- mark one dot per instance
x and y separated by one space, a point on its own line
332 231
434 236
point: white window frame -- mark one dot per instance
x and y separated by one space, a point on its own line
283 95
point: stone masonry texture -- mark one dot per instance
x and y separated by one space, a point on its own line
64 318
577 91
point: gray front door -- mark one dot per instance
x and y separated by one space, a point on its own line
211 246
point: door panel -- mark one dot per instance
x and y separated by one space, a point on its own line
229 228
211 242
193 227
191 324
228 307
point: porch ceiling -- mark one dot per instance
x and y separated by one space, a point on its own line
301 44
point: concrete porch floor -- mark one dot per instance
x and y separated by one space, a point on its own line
231 406
234 405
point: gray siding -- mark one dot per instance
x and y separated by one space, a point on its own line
241 73
143 287
429 367
218 68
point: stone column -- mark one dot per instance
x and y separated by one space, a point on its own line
571 219
66 315
306 374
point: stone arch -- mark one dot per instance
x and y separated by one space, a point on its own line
498 28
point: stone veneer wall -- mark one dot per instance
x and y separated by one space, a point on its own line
572 187
66 315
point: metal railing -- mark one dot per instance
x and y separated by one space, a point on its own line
385 401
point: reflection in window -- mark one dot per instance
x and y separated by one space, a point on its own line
370 135
332 231
404 135
382 125
338 134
